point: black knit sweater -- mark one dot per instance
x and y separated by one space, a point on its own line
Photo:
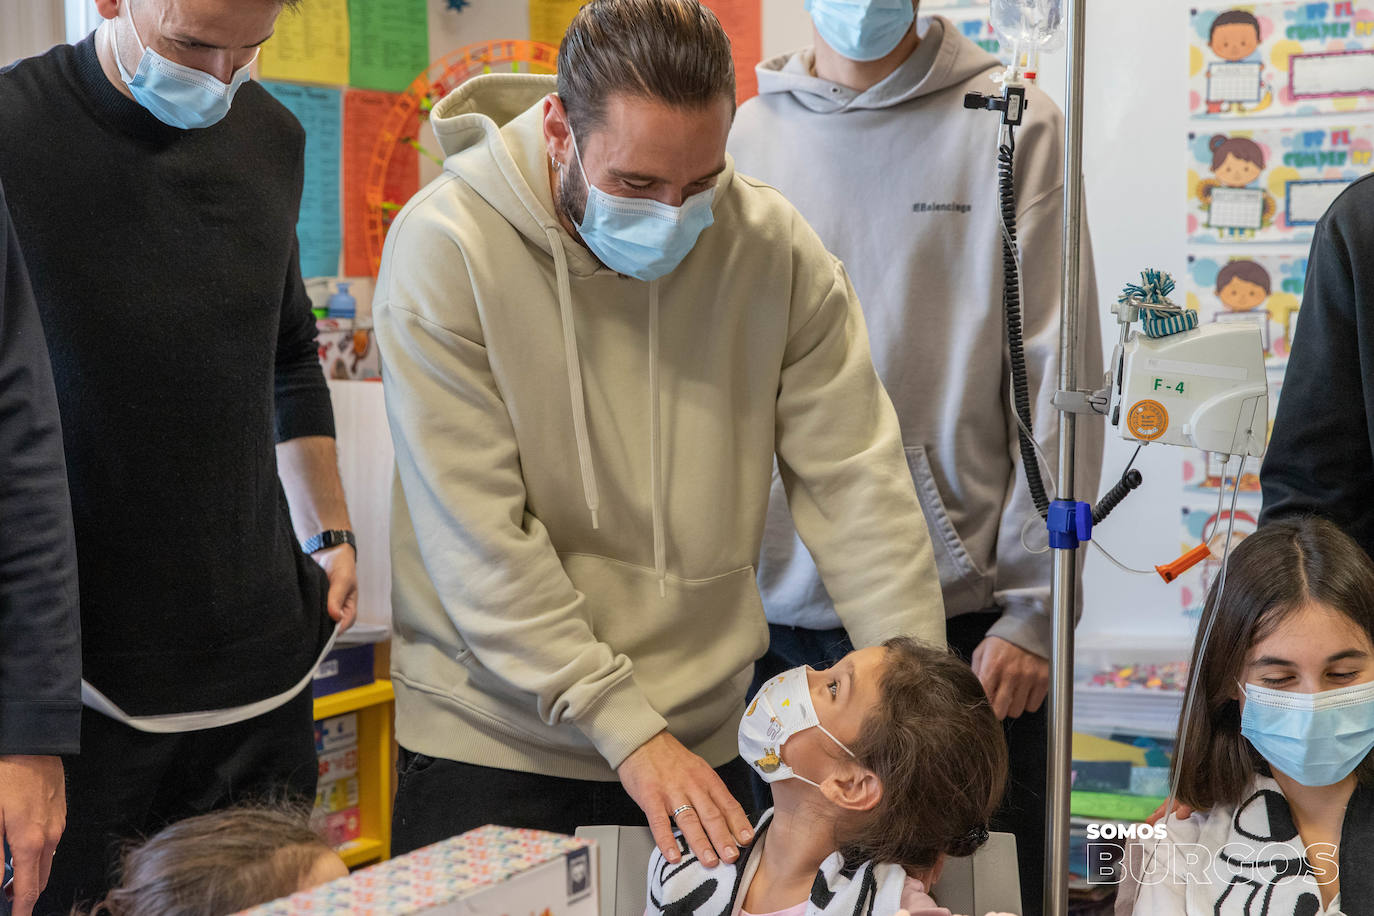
165 267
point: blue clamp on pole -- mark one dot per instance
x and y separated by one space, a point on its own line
1069 523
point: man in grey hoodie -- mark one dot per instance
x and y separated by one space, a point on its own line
866 134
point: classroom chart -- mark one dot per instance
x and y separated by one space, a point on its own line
1281 59
1270 185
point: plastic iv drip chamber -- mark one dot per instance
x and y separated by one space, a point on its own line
1027 27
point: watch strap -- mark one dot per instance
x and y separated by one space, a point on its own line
327 539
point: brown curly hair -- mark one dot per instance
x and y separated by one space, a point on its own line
941 755
217 863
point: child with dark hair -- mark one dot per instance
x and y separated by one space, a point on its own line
880 767
220 863
1235 35
1235 38
1242 285
1242 288
1236 163
1275 765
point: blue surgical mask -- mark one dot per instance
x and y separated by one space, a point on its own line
1316 738
638 237
862 29
175 94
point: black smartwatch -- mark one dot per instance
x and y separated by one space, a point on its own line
327 539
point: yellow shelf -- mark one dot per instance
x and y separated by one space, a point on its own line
372 702
362 851
336 704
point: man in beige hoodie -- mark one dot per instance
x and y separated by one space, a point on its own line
597 338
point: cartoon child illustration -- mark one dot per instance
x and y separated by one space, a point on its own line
1234 208
1243 288
1235 38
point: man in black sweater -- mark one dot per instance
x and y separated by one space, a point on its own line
1321 455
40 627
158 224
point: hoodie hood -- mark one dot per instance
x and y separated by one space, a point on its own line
944 58
491 132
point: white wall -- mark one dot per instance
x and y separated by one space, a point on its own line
1136 122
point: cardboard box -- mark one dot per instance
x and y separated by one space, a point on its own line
344 668
338 764
336 732
491 871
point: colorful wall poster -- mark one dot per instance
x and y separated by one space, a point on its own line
743 22
1200 521
390 43
365 119
980 32
1263 289
310 45
1270 185
319 111
1298 58
549 19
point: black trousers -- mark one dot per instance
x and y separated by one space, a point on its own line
1023 809
438 798
125 785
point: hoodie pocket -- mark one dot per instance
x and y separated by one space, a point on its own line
960 577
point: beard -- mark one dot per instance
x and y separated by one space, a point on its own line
572 196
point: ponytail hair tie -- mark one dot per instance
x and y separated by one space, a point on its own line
969 843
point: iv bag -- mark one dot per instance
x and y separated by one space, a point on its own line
1029 25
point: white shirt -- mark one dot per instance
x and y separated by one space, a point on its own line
1246 860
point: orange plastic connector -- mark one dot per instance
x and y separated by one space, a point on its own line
1171 571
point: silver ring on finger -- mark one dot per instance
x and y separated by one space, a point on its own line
681 808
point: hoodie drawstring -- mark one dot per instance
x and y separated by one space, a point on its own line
579 406
579 410
655 459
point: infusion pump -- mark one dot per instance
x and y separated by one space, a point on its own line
1204 388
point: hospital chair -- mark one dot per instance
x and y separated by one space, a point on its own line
984 882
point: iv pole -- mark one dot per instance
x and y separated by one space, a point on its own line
1064 584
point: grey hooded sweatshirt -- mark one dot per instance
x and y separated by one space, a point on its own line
900 182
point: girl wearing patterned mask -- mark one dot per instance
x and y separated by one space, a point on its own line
880 767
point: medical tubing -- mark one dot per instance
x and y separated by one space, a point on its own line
1113 497
1200 652
1011 303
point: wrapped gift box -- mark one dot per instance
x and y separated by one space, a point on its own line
491 871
